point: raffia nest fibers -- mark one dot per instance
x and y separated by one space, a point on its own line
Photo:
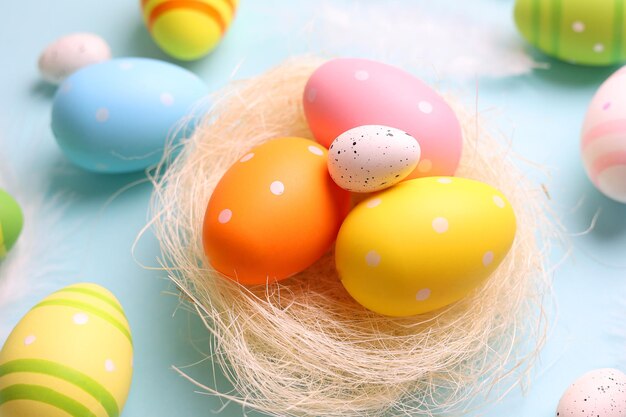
303 346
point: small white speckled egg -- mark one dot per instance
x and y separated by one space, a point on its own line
599 393
372 157
69 53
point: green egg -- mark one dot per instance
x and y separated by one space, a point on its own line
11 222
586 32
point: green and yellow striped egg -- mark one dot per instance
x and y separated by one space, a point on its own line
11 222
587 32
70 356
188 29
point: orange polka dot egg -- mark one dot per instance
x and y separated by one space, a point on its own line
274 212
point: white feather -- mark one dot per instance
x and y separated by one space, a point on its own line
447 37
32 266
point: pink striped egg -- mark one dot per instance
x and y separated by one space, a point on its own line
603 144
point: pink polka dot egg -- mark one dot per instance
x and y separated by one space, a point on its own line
603 143
346 93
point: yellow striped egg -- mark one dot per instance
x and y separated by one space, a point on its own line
69 356
188 29
587 32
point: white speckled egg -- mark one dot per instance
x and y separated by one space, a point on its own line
67 54
603 143
372 157
599 393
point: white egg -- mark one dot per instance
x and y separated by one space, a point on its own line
372 157
603 144
67 54
597 393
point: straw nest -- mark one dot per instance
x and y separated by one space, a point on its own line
303 347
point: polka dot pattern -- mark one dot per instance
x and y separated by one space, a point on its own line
423 294
247 157
370 91
109 365
499 201
167 99
488 258
425 107
372 258
80 319
29 340
424 230
315 150
225 216
362 75
440 225
598 48
277 188
283 194
102 115
125 66
578 26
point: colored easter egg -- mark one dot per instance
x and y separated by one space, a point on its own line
578 31
274 212
423 244
603 144
68 54
346 93
597 393
11 222
117 115
70 355
371 158
188 29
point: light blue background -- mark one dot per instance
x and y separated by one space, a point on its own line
542 112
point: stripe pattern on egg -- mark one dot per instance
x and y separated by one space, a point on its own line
603 143
188 29
578 31
70 355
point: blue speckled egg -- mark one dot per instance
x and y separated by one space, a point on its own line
116 116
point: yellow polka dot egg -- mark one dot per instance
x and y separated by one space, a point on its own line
70 355
423 244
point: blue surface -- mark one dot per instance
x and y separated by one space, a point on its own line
542 111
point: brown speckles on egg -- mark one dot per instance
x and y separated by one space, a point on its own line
380 157
599 393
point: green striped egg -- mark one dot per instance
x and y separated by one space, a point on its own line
587 32
11 221
69 356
